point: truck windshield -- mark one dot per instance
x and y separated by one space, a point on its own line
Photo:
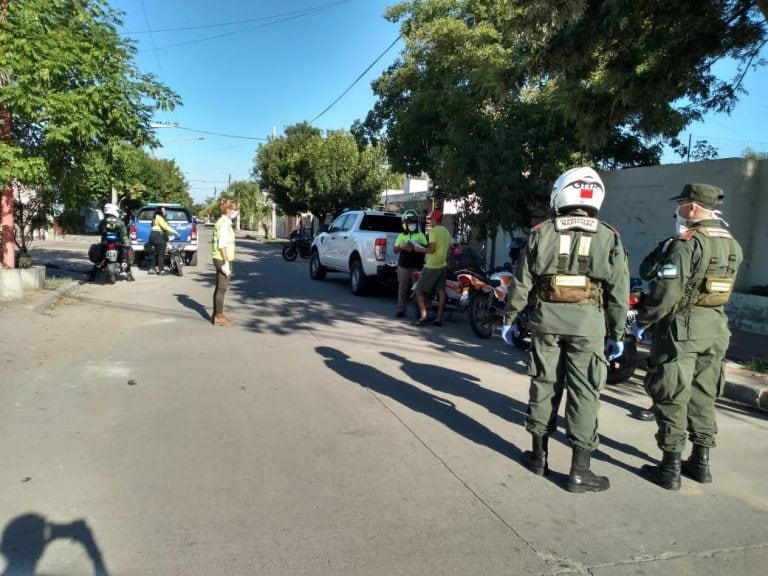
381 223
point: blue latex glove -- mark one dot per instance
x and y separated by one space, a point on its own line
638 332
509 332
613 349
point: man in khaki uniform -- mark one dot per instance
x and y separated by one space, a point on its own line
687 309
575 269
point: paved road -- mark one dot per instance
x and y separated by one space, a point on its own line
322 436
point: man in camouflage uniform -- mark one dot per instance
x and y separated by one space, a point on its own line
686 306
575 268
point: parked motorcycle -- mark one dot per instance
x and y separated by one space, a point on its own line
174 258
300 244
486 299
110 258
453 297
623 367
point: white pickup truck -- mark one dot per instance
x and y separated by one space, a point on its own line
359 243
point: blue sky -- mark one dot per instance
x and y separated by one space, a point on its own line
286 62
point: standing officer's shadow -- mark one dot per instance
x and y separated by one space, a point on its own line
26 537
440 409
462 384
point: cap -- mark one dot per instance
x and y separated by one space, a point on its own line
705 194
436 215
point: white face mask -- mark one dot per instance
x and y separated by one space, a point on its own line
681 224
233 214
412 227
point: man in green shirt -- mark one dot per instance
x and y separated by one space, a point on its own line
435 270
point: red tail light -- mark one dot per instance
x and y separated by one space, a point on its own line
634 301
193 235
380 249
464 280
111 246
133 232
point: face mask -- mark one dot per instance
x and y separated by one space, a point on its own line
234 214
412 227
681 224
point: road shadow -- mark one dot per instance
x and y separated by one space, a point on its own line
194 305
463 385
26 537
440 409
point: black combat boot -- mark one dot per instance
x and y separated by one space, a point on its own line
667 474
697 465
535 459
581 478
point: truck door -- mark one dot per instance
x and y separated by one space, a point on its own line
330 250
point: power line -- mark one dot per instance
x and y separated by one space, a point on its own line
223 35
303 12
220 134
332 104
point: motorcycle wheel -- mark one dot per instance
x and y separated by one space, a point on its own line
111 272
622 369
480 319
290 252
179 265
523 339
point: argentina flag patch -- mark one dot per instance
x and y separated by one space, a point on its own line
667 271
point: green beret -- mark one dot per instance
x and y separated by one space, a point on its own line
705 194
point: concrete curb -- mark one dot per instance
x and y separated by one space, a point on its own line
47 299
746 387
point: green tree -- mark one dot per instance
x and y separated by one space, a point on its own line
306 171
71 89
494 99
254 207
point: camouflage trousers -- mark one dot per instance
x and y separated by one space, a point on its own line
684 379
574 362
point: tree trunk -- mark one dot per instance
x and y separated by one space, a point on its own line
6 193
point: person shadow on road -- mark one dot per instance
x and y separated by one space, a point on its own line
436 407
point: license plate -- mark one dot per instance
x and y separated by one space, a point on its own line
112 255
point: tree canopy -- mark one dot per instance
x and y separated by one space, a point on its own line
306 171
72 90
494 98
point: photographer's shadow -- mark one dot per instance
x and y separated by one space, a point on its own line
26 537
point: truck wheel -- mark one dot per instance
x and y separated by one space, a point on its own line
316 270
358 279
192 258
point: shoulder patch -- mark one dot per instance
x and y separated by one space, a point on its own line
685 235
714 232
563 223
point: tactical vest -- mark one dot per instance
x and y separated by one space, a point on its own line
575 239
715 287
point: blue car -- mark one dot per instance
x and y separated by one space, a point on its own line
178 217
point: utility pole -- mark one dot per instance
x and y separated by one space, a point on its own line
6 188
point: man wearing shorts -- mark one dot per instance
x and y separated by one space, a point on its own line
435 268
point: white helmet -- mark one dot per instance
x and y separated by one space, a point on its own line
111 210
578 187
